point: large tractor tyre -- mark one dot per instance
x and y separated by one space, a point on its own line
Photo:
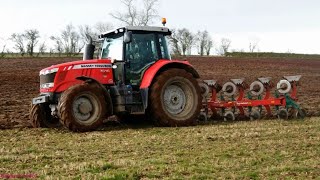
41 118
175 98
82 107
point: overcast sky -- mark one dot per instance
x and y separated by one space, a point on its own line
279 25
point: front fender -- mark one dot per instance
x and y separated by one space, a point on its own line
66 85
163 65
78 80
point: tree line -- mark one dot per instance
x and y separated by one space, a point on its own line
71 40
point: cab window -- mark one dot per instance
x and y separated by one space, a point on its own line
165 54
141 51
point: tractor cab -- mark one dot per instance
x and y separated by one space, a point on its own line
132 50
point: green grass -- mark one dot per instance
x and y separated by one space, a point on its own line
266 149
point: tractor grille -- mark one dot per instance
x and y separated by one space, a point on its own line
48 78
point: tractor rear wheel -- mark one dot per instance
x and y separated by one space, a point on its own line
41 118
175 98
82 107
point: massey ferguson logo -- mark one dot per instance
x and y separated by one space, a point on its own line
94 65
86 66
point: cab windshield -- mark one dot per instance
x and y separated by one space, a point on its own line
113 48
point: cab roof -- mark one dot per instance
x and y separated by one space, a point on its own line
163 30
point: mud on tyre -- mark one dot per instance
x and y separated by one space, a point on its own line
175 98
82 107
40 116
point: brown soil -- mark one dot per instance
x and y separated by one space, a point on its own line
20 82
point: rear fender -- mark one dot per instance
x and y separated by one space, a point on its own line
163 65
153 71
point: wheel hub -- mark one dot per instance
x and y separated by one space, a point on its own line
85 107
82 108
174 99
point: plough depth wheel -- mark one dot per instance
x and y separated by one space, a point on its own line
300 114
283 114
256 88
229 89
205 89
229 116
283 86
254 115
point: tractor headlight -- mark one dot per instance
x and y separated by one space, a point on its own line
49 71
46 85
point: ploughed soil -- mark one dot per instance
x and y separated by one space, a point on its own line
20 81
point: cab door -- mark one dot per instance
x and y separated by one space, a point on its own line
140 54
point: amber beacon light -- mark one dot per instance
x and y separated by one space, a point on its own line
164 21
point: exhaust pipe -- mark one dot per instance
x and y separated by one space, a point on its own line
89 49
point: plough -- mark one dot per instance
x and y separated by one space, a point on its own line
236 100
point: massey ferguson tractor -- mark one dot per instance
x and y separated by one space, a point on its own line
135 74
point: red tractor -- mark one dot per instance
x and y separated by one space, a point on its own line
133 75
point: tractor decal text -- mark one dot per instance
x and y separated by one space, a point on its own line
91 66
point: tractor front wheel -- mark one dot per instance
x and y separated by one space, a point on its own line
82 107
175 98
41 118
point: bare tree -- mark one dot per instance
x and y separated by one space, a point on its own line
42 48
181 41
174 43
31 36
149 12
94 31
208 47
18 40
101 27
134 16
3 54
201 41
58 46
69 41
51 51
86 30
204 42
185 39
224 46
253 45
3 44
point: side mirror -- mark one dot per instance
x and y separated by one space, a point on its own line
127 38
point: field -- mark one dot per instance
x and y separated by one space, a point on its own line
244 150
258 149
